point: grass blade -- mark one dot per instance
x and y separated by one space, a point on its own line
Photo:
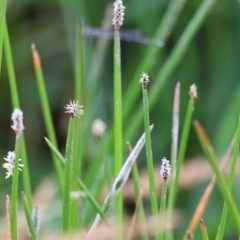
208 149
3 8
230 184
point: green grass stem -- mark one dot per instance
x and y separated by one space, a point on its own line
79 96
204 230
28 214
16 104
3 8
14 196
81 185
68 177
230 184
182 149
163 209
117 118
46 112
150 166
208 150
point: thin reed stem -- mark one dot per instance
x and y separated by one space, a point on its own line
79 96
46 112
230 184
182 149
150 166
117 117
3 7
16 104
14 196
203 230
163 209
68 170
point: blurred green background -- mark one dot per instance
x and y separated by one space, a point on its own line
211 61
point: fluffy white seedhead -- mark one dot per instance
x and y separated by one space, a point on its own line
144 80
193 91
165 171
74 109
9 165
118 13
17 118
98 128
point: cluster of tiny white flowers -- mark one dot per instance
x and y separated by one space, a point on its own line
74 109
17 118
144 80
9 165
118 13
165 171
193 91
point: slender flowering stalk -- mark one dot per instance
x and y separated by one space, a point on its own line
165 173
17 126
118 13
75 110
16 104
153 194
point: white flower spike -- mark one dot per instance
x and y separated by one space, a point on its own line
17 118
74 109
144 80
193 91
165 171
9 165
118 13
